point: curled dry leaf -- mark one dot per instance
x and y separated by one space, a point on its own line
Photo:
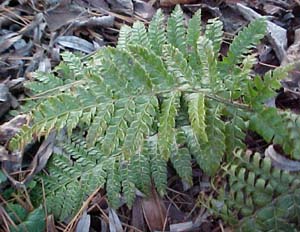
37 164
279 161
12 127
75 43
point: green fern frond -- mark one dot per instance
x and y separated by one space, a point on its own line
279 127
243 43
140 126
69 183
115 133
154 66
193 33
262 89
177 65
158 165
181 160
215 132
176 31
209 73
113 184
124 35
139 35
196 111
166 126
252 186
214 32
75 64
140 167
44 82
100 121
234 134
128 183
156 33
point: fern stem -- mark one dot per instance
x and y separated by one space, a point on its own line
61 87
219 99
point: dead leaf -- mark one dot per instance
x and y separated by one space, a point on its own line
121 6
293 52
4 154
50 225
168 3
103 21
63 15
12 127
155 212
137 220
37 164
181 227
115 224
4 100
98 4
7 40
76 43
271 9
279 161
144 9
84 223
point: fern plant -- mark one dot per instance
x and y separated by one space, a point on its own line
162 94
258 197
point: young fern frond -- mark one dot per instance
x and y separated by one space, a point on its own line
160 95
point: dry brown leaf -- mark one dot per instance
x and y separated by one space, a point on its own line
155 212
115 224
7 40
167 3
50 225
84 223
137 220
63 15
37 164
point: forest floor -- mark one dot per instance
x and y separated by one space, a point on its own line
34 33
